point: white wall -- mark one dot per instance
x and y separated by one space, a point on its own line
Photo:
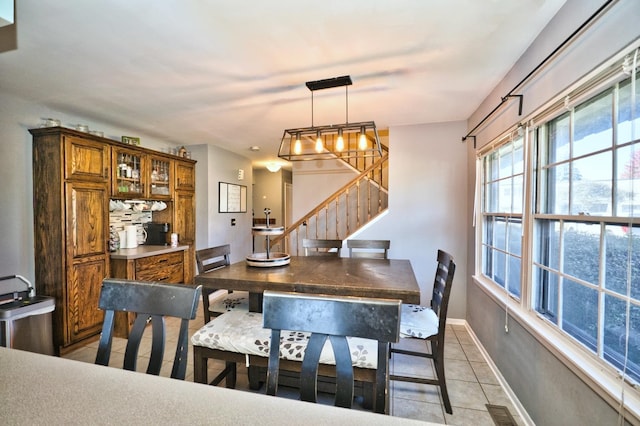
427 203
217 165
268 190
314 181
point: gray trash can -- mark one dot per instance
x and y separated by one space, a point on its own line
25 319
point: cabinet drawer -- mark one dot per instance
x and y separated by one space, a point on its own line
168 274
165 267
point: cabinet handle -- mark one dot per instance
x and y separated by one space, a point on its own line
106 172
163 279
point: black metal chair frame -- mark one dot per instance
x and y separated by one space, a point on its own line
207 260
439 303
333 318
154 301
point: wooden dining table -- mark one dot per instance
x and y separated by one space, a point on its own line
337 276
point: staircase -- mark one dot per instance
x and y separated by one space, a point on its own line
345 211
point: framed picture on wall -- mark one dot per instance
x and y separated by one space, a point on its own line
232 198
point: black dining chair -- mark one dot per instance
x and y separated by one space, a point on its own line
321 247
214 303
372 249
429 324
152 302
333 319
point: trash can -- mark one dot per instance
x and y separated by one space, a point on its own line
25 319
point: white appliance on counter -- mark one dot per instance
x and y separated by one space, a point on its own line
129 237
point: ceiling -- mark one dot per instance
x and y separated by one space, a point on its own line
231 73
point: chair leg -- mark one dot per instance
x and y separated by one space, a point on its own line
438 361
199 366
228 374
253 372
230 382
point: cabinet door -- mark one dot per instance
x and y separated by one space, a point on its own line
184 216
86 159
84 281
185 176
160 178
128 170
87 217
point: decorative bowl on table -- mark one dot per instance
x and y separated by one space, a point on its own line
261 260
266 230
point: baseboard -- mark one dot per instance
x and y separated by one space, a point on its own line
505 385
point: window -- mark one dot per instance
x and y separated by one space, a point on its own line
503 180
573 257
586 260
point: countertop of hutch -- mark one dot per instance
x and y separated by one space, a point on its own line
145 251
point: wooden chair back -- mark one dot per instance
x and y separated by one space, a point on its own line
442 284
207 260
333 318
320 247
373 249
150 301
212 258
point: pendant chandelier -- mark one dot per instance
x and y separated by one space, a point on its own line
328 142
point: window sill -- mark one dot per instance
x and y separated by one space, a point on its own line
603 380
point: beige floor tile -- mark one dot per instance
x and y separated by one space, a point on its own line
465 416
411 365
85 354
483 373
427 412
464 338
497 396
454 351
466 395
473 353
415 392
456 369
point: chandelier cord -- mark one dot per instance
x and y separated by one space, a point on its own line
346 108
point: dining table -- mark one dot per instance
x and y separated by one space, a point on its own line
336 276
46 390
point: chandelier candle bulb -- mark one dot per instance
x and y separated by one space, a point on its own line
340 142
363 140
297 147
319 144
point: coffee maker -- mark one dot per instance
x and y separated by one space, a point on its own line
157 233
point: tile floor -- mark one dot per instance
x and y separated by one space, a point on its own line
470 381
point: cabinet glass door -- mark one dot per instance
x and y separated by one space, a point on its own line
160 178
128 174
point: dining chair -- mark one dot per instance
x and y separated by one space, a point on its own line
429 324
213 302
331 318
373 249
320 247
152 302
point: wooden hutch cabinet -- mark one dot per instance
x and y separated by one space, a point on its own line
74 176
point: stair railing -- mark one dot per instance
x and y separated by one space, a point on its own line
343 213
